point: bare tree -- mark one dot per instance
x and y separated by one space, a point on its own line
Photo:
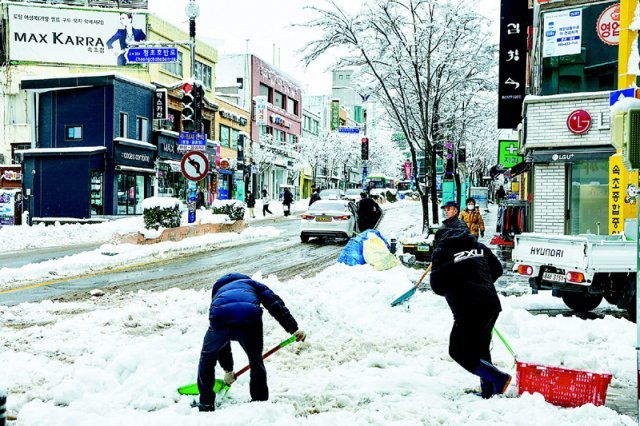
424 59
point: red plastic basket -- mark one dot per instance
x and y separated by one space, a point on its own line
561 386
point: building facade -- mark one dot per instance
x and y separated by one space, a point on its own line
243 77
94 155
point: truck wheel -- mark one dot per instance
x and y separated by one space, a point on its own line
612 298
582 302
304 238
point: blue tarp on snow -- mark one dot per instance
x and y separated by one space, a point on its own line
352 253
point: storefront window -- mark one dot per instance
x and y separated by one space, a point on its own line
224 136
235 134
130 194
589 202
96 193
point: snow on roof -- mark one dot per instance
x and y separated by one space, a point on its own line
134 142
86 149
531 99
624 105
116 75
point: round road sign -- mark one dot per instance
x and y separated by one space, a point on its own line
195 165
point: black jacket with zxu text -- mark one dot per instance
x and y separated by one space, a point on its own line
464 271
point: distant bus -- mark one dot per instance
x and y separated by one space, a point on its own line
378 184
404 186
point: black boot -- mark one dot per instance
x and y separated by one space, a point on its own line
203 407
493 381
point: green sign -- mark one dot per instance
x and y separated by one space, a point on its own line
335 114
508 154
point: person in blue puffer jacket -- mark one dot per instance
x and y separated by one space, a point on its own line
236 314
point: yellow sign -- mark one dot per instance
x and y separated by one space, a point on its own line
623 191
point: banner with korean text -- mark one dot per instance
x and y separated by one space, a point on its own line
72 36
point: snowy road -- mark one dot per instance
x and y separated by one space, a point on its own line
284 256
87 359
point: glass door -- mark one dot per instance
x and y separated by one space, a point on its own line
96 193
589 205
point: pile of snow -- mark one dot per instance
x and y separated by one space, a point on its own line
118 359
162 202
624 105
16 238
112 256
222 203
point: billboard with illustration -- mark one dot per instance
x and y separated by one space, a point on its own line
72 36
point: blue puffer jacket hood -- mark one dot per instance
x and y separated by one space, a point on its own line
226 279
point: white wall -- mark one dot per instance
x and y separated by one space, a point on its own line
549 198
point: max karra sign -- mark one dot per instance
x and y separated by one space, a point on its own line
72 36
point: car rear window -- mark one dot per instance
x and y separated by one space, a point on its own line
318 206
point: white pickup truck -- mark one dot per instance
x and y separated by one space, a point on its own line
582 269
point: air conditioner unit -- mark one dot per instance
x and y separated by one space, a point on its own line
631 146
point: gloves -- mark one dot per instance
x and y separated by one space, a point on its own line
482 234
229 377
300 336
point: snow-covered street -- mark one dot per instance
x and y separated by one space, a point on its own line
118 359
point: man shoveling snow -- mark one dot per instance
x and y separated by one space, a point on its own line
463 271
236 314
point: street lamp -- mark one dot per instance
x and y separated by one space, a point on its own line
192 10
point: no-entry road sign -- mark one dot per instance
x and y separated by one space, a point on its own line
195 165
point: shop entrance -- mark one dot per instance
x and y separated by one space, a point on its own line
130 194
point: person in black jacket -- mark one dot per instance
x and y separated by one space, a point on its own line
236 314
451 219
287 199
315 196
368 212
251 205
463 271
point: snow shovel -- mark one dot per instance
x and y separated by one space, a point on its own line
219 385
407 295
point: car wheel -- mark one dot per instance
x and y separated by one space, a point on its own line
304 238
582 302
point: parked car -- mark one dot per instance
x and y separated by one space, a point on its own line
329 219
353 194
331 194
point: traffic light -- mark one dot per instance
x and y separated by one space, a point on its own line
364 149
199 104
188 108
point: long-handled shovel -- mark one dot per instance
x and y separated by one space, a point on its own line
407 295
219 385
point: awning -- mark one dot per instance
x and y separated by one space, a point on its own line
135 169
571 155
175 165
519 168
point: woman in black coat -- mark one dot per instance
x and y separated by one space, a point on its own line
463 271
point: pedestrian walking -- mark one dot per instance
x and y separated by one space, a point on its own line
287 199
368 212
235 314
265 203
464 271
251 204
472 218
315 196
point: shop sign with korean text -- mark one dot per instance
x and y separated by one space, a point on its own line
261 110
623 194
71 35
562 33
515 18
608 25
508 153
160 107
335 114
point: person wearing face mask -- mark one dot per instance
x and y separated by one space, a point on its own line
472 217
